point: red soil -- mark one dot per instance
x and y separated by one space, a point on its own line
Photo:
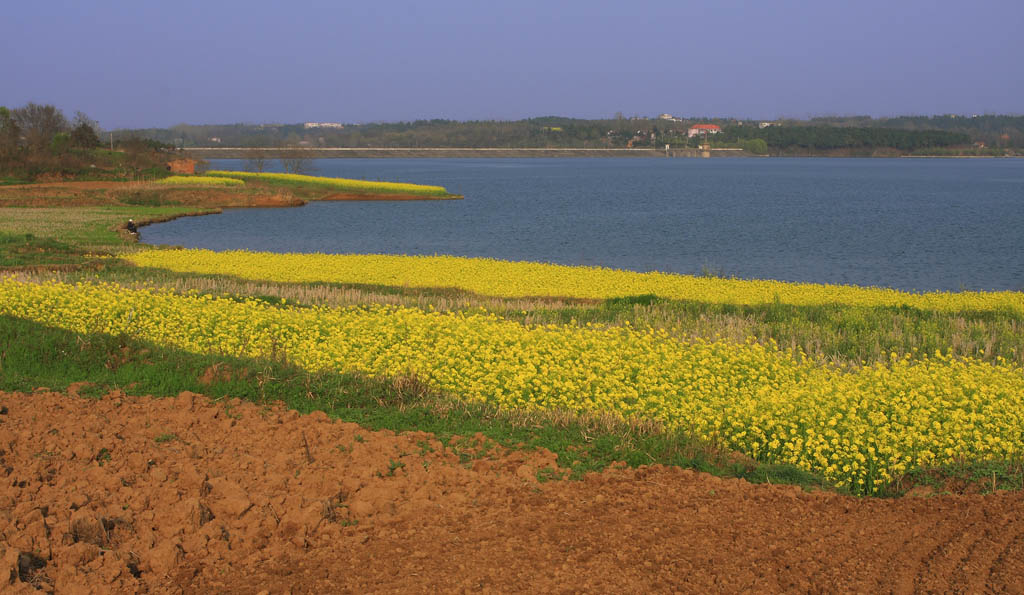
62 185
97 193
126 494
82 194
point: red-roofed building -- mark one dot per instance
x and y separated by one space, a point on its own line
702 129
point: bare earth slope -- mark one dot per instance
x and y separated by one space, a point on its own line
128 494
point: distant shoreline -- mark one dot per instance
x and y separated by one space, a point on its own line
433 152
499 152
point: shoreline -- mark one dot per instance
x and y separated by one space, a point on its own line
444 152
533 153
123 232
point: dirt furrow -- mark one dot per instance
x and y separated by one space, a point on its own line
127 494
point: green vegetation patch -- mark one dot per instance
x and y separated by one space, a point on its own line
26 250
87 228
835 333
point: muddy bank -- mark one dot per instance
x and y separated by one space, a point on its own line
128 494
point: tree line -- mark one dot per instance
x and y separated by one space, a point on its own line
813 138
558 132
1003 131
39 139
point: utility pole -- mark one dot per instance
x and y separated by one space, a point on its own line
111 140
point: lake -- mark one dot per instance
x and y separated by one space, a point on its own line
911 224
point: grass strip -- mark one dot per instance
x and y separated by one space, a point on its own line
836 333
26 250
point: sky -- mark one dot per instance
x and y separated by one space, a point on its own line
155 64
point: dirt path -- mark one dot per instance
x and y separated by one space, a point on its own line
100 193
129 494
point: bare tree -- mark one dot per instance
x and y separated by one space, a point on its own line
296 161
255 160
40 123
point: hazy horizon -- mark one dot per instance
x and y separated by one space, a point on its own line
136 65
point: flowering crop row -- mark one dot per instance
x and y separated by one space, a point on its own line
342 184
529 279
859 428
199 181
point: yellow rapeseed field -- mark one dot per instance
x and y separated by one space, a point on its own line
343 184
525 279
861 428
199 181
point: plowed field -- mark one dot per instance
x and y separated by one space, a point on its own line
126 494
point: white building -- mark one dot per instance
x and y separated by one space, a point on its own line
702 129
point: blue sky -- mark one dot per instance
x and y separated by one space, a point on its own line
147 63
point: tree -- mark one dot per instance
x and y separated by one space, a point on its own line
39 124
255 160
10 135
83 132
296 161
757 146
59 143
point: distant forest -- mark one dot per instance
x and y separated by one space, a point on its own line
855 135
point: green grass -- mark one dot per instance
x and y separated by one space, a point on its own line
33 356
87 228
836 333
978 476
27 250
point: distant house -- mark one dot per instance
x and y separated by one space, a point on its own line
322 125
669 117
702 129
767 124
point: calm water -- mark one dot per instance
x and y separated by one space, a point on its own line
912 224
